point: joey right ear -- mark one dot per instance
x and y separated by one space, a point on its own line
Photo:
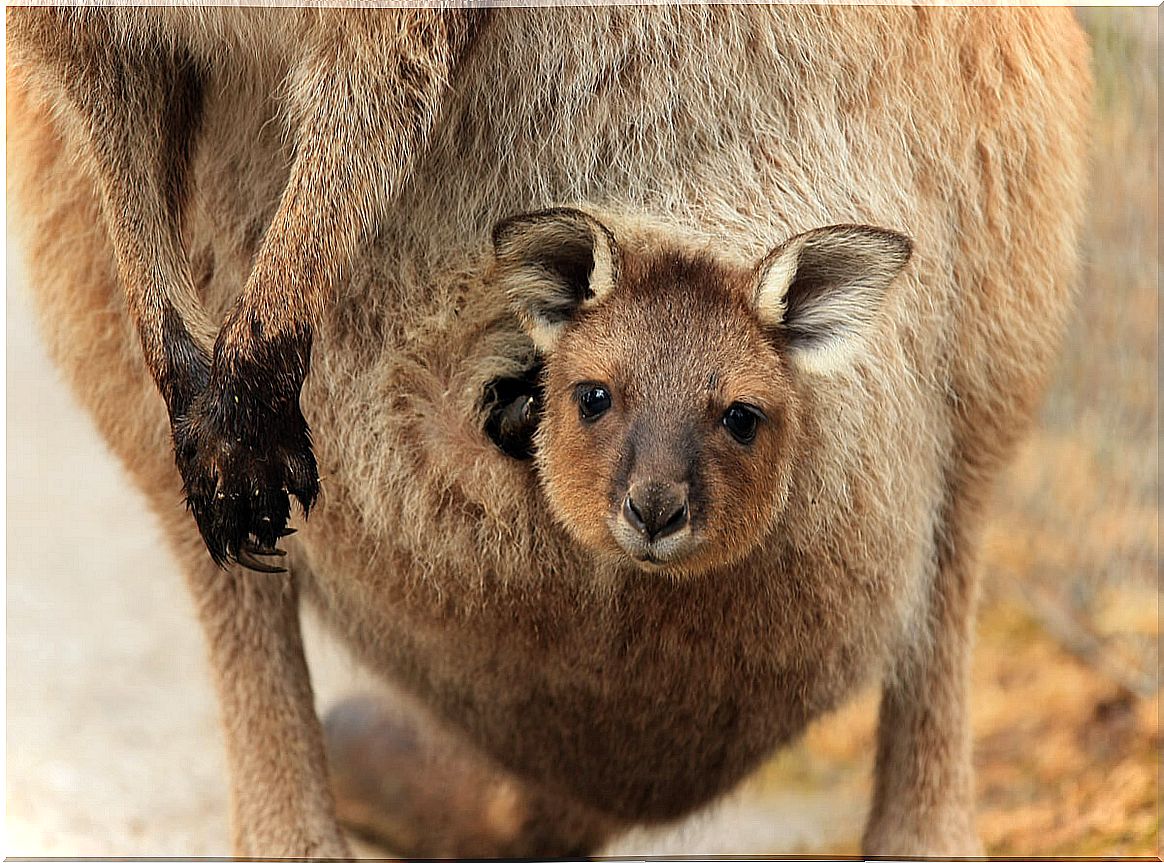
825 288
553 264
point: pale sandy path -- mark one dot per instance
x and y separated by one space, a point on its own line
113 746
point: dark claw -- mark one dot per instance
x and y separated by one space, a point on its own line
516 417
252 548
245 558
513 426
287 531
513 407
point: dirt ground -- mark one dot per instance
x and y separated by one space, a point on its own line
113 746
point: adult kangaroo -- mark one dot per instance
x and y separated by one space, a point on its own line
829 251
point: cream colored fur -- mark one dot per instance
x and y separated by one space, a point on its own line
436 557
540 301
857 263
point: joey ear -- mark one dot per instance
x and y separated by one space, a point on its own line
553 264
824 288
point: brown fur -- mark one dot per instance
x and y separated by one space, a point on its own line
676 341
677 346
437 557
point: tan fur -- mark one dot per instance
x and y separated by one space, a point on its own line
132 85
438 558
675 342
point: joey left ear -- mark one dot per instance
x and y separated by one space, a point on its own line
553 264
824 288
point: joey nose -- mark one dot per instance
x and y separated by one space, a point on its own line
655 510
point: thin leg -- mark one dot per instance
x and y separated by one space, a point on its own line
362 103
281 802
923 801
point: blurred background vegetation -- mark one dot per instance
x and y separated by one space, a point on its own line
1066 683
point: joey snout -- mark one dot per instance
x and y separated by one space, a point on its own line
653 522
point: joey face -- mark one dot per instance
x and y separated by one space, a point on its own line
671 422
668 421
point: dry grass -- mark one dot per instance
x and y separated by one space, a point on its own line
1065 680
1079 510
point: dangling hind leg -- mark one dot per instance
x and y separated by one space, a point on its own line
405 782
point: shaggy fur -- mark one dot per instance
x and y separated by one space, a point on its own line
134 82
435 555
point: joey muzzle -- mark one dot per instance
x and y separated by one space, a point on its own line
655 510
653 523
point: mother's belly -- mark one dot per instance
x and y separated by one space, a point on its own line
643 702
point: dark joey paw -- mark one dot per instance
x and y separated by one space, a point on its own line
241 461
513 408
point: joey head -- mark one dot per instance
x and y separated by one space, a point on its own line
670 415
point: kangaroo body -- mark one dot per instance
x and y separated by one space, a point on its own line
436 557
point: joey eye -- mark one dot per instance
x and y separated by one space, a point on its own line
741 420
593 401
